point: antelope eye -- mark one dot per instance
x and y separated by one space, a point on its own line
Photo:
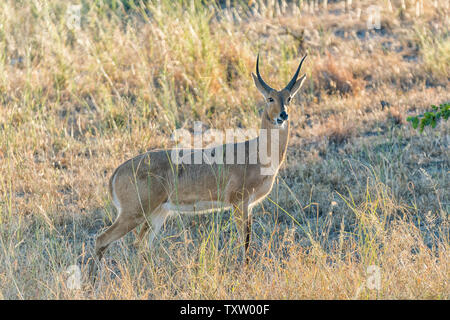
270 99
288 99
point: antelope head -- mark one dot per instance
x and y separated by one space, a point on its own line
278 101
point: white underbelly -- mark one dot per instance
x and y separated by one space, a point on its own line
199 207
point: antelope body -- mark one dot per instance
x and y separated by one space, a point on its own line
147 188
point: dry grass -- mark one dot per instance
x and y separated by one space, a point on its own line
359 186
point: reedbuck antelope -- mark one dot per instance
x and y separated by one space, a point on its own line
147 188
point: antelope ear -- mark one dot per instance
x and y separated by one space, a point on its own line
298 84
260 86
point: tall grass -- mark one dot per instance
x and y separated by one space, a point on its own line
359 190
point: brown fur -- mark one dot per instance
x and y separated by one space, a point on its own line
145 186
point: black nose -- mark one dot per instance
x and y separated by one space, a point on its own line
284 115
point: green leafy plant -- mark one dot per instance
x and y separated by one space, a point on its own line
430 118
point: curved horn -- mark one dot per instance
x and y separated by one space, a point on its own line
294 78
266 87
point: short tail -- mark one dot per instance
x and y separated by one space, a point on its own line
115 200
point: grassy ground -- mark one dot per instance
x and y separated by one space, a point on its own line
359 188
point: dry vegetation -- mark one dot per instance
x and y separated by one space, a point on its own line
360 187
